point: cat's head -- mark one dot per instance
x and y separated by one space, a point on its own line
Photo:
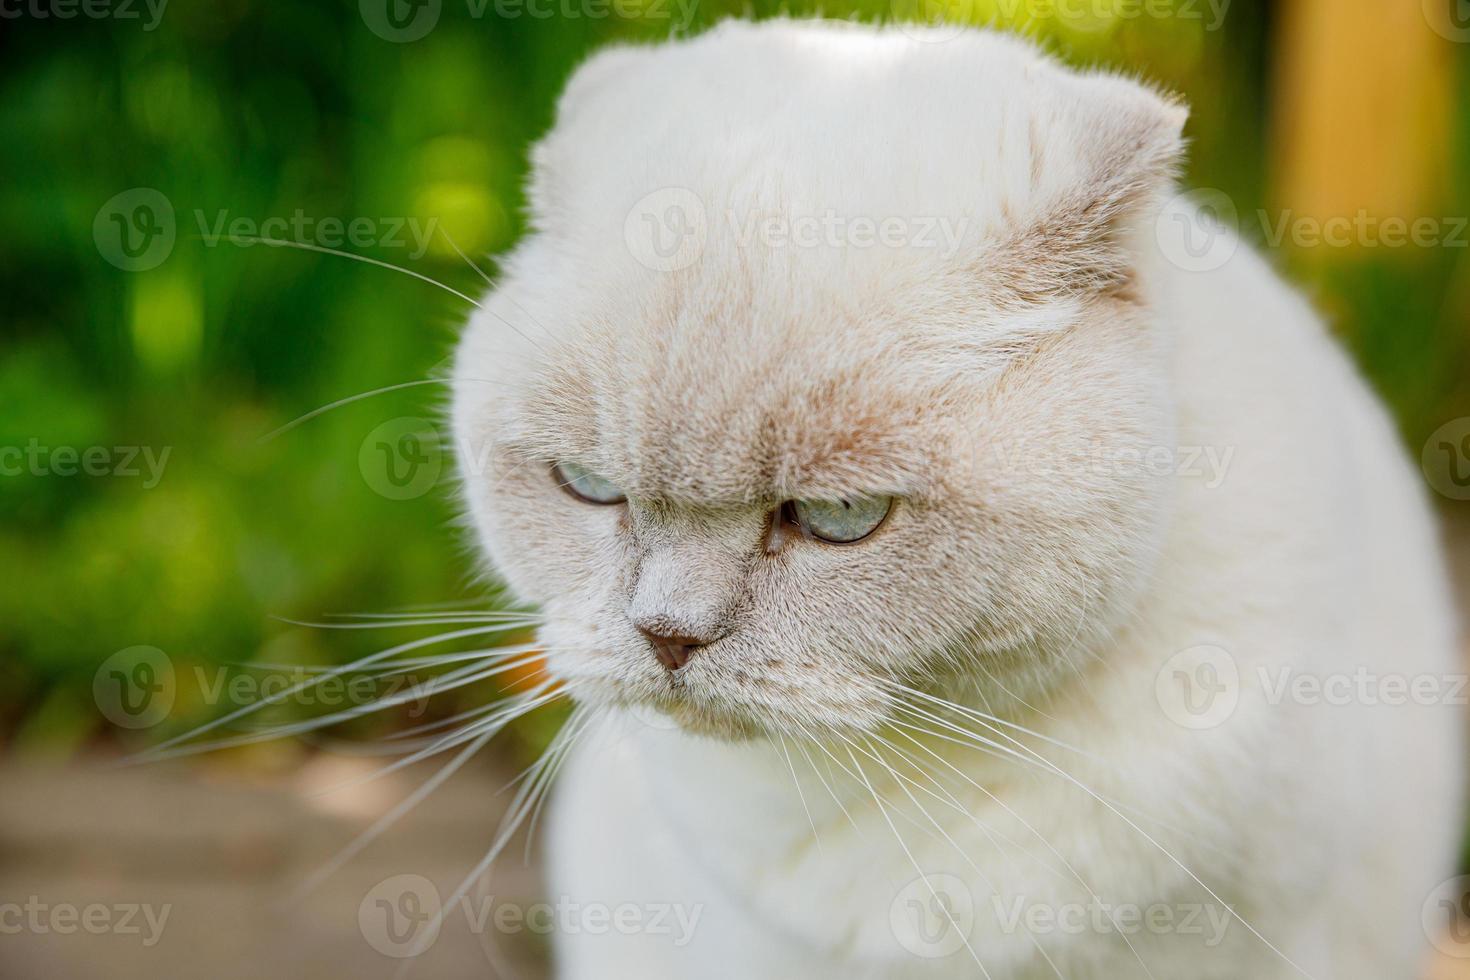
814 370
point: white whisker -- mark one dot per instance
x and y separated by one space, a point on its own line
918 870
163 750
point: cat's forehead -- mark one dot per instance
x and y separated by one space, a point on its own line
729 406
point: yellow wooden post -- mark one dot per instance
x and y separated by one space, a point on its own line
1362 101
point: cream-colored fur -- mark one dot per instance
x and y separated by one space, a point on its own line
1041 383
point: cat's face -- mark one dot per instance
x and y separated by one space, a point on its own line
752 484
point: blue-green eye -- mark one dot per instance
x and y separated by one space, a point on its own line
583 484
841 521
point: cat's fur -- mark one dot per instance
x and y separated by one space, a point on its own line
998 387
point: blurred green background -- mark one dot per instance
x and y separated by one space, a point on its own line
257 109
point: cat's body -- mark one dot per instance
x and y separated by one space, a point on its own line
1277 532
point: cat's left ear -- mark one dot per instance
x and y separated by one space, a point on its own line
1107 159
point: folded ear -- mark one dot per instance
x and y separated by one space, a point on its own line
1105 153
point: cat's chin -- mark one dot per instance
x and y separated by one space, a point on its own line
722 726
734 722
726 724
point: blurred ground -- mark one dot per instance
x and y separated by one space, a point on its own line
222 847
224 853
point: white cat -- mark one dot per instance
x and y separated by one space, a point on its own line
938 498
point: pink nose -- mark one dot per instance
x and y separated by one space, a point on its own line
672 650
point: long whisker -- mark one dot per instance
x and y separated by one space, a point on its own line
450 607
388 819
918 870
360 396
857 778
519 807
989 676
522 705
381 624
991 720
991 834
447 681
800 795
988 746
877 757
1142 833
576 733
460 252
971 740
491 283
1045 843
280 696
830 791
324 250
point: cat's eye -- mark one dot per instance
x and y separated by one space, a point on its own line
583 484
841 521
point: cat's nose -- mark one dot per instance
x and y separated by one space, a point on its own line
672 649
